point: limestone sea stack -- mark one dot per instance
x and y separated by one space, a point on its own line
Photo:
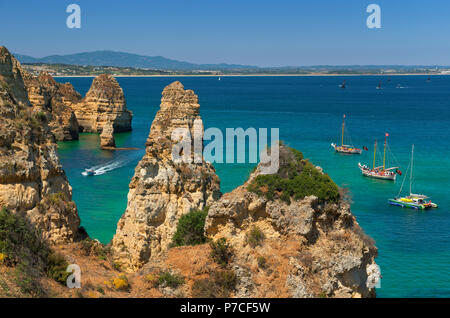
103 103
162 190
32 182
107 140
47 94
312 241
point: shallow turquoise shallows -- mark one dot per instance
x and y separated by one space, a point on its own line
414 246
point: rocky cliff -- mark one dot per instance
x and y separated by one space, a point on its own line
161 189
32 182
304 230
103 103
107 140
46 94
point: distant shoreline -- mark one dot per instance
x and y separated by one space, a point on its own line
261 75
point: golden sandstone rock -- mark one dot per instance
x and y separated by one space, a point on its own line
104 103
161 190
32 181
46 94
107 140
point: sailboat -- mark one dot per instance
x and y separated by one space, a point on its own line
345 148
342 85
413 201
379 85
380 172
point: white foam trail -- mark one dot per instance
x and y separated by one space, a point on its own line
109 166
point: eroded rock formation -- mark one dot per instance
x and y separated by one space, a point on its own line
316 248
32 181
107 140
48 95
103 103
162 190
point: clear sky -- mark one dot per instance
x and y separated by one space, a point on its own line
264 33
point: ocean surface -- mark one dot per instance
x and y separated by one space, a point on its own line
414 247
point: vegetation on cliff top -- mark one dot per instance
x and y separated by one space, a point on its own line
296 179
22 249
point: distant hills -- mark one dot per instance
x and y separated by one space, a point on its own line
121 59
140 63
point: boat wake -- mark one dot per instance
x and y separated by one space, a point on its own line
102 169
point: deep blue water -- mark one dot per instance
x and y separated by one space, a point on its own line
414 247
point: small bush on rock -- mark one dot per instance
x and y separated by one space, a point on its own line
221 252
170 280
255 237
190 229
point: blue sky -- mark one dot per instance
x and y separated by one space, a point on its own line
264 33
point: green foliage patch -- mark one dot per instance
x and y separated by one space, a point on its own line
190 229
296 178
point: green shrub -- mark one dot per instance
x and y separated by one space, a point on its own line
93 247
226 279
41 116
190 229
221 252
219 285
56 268
262 262
296 178
255 237
32 258
170 280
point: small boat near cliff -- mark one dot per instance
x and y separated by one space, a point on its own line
380 172
345 148
89 172
412 201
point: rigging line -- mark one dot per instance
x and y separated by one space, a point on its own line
393 156
404 178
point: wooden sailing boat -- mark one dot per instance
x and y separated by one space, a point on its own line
345 148
413 201
379 172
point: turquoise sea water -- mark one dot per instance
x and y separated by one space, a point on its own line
414 247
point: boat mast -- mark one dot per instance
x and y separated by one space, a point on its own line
411 175
374 152
384 155
343 125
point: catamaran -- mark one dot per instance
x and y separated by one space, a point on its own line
380 172
413 201
345 148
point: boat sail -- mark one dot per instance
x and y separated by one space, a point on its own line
413 201
380 172
345 148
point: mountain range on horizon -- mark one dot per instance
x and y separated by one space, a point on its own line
123 59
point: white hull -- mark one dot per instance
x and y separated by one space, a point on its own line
386 175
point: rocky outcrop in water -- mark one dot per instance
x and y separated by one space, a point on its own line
56 98
107 141
32 182
315 247
161 189
104 103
